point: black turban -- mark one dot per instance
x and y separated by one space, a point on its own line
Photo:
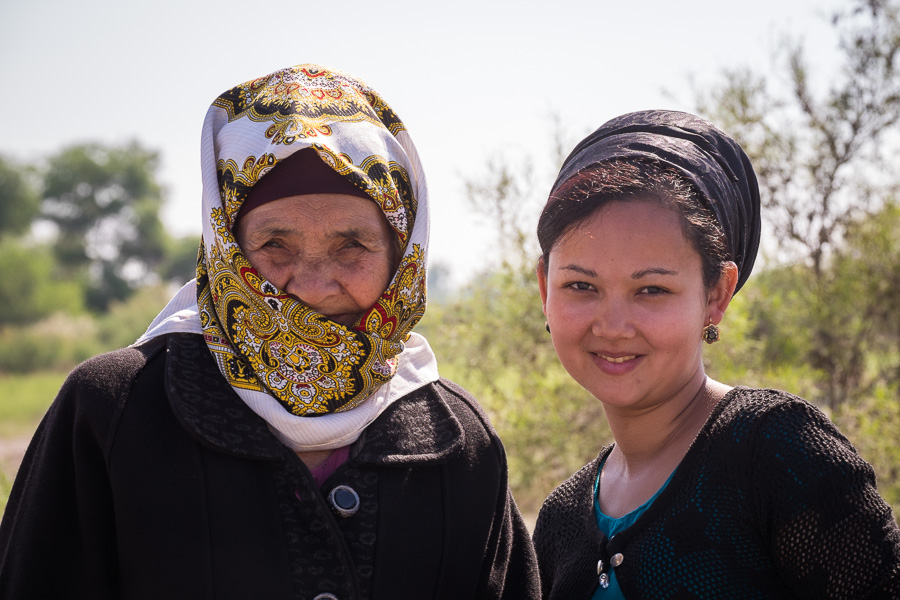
697 149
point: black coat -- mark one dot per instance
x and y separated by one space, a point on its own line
150 478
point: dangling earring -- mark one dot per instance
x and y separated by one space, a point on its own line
710 334
547 326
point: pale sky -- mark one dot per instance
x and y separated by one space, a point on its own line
472 80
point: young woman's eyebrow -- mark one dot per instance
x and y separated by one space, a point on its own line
582 270
653 271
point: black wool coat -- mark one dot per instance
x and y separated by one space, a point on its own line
150 479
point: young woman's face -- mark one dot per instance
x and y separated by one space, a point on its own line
333 252
625 300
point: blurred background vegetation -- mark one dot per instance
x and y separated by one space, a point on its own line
85 264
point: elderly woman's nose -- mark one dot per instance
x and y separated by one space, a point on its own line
312 282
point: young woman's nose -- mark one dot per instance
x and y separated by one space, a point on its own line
612 320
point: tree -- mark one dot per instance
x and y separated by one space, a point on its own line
30 288
820 158
19 201
105 203
491 340
180 262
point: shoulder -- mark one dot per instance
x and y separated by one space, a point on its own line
109 376
95 392
438 422
465 408
754 413
111 372
792 445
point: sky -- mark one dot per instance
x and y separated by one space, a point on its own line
474 81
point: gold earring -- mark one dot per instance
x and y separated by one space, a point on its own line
710 334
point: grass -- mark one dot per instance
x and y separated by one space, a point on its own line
24 399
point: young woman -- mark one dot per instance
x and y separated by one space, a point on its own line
709 491
279 431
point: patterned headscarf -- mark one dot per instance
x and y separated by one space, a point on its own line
266 342
699 150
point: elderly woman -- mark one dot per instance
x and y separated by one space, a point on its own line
279 431
709 491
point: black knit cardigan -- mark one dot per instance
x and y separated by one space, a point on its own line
770 501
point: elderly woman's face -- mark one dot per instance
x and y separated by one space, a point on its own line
334 252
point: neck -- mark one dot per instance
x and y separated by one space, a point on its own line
659 437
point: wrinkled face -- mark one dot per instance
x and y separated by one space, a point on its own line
333 252
625 300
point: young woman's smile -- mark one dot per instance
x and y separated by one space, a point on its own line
625 300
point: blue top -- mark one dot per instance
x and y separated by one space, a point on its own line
611 527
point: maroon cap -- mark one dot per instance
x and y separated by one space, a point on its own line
301 173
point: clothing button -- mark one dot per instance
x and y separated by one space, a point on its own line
344 500
599 566
326 597
616 560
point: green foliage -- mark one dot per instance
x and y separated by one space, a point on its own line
873 425
124 322
180 262
105 203
5 487
61 341
58 342
29 286
819 155
26 399
19 203
747 355
492 341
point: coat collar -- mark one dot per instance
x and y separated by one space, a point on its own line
419 428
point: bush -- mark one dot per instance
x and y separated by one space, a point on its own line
491 340
30 288
56 343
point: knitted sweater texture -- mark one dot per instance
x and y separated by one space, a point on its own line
770 501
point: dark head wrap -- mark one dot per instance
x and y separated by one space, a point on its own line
697 149
301 173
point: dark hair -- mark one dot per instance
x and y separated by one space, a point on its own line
627 179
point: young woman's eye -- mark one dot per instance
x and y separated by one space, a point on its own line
652 290
581 286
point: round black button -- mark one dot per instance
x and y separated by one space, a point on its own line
344 500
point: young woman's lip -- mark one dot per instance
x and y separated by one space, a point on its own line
617 359
616 355
616 363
